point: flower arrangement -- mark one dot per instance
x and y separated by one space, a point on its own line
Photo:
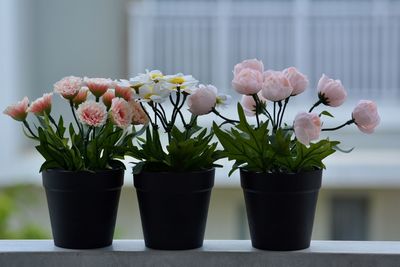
272 146
189 148
104 113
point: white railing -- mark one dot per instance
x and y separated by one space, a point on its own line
230 253
356 40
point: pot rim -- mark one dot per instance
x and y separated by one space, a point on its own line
83 171
184 172
242 169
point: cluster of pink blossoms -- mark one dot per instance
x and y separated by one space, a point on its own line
250 79
117 102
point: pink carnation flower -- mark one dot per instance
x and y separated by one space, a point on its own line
98 86
123 90
68 87
92 113
108 97
120 112
81 96
18 111
138 114
41 105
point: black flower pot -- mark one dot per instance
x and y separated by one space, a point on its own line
280 208
173 207
83 206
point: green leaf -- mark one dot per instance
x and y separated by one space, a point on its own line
326 113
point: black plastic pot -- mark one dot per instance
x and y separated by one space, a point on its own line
173 207
280 208
83 206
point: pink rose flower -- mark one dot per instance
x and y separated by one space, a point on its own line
331 92
124 91
365 116
276 87
307 127
18 111
297 80
108 97
41 105
248 81
249 105
81 96
202 100
138 114
121 112
68 87
98 86
92 113
253 64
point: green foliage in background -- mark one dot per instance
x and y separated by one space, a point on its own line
10 208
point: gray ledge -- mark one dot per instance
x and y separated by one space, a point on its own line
230 253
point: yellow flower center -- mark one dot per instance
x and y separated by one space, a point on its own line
177 80
155 76
219 101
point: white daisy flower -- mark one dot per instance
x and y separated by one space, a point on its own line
152 92
146 78
223 100
184 82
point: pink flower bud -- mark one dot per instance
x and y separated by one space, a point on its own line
249 104
365 116
247 81
18 111
68 87
81 96
253 64
98 86
123 91
92 113
307 127
202 100
41 105
276 86
331 92
297 80
121 112
108 97
138 114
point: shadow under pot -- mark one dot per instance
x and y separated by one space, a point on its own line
280 208
83 206
173 207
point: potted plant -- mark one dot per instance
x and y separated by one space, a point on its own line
82 174
281 164
174 181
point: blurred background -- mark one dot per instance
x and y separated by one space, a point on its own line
357 41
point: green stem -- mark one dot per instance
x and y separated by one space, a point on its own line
224 118
147 114
319 102
284 109
257 101
278 117
340 126
71 103
29 129
55 125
